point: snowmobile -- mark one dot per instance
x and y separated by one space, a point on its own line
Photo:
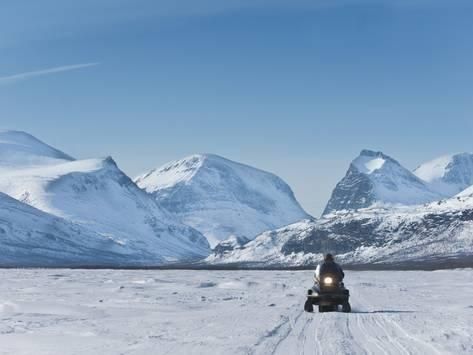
330 294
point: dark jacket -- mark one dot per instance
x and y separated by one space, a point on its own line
331 268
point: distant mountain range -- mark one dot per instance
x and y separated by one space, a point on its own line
379 213
171 217
59 211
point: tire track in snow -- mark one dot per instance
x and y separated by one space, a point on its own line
297 337
424 347
346 334
303 335
389 336
269 342
288 332
370 338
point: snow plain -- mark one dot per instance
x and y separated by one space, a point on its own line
231 312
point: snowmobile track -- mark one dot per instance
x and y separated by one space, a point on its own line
337 333
135 313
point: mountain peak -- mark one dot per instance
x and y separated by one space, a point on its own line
374 177
172 173
371 153
221 198
369 161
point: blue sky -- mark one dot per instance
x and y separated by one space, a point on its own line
295 87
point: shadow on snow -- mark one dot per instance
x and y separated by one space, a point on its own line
381 311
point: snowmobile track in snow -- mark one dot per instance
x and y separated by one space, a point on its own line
231 312
367 333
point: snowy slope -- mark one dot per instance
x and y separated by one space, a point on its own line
222 198
19 149
375 178
96 194
449 174
430 232
468 192
30 237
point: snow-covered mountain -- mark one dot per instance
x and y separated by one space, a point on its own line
19 149
97 195
468 192
62 211
376 214
433 232
448 174
375 178
222 198
30 237
229 245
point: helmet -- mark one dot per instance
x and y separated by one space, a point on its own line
328 257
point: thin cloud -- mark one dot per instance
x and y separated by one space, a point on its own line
33 74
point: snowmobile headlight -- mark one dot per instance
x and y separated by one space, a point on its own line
328 280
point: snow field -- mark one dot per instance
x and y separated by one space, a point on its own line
231 312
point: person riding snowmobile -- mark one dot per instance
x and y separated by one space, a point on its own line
329 266
328 291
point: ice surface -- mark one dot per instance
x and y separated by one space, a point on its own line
231 312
